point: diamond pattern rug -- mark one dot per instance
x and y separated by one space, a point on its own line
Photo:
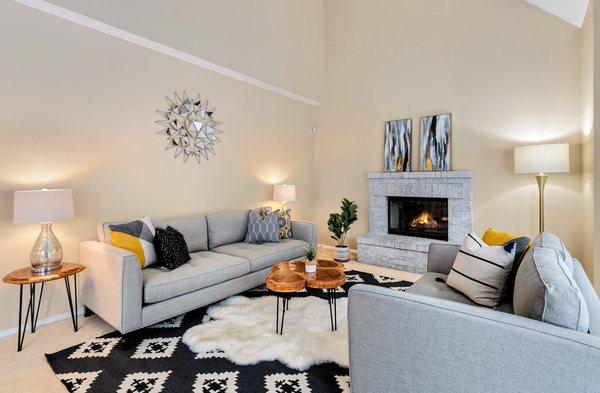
160 362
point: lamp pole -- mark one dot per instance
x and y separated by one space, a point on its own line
541 181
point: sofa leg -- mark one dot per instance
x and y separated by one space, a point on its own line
87 312
128 341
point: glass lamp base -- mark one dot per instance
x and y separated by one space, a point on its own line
47 253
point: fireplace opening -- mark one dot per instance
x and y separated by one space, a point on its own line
420 217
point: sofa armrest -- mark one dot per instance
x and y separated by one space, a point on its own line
304 230
423 344
440 257
112 284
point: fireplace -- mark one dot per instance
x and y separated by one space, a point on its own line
418 217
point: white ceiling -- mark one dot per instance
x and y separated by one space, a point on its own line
573 11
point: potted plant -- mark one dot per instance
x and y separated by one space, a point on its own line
339 225
311 260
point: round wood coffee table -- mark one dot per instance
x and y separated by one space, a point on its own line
290 277
26 276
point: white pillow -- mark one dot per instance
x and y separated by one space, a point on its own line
480 271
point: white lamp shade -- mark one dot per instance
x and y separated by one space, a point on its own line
284 192
40 206
551 158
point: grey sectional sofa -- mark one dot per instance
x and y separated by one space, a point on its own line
433 339
129 298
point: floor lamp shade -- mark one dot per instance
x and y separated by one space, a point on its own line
551 158
541 160
44 207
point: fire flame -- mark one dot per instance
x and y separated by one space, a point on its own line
424 220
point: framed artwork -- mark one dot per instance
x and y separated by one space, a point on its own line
398 141
435 142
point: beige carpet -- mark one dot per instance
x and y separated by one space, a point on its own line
28 371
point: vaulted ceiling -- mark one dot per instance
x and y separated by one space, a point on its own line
573 11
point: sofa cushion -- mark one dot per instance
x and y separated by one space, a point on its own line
433 285
266 254
203 270
226 228
192 228
589 294
548 240
546 290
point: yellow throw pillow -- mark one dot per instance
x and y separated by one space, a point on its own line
137 237
494 237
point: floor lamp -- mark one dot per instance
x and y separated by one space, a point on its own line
541 160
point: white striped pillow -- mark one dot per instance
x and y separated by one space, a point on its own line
480 271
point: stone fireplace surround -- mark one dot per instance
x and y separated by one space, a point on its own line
406 252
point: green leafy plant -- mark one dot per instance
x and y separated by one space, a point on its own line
311 253
339 223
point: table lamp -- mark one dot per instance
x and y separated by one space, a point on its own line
284 193
541 160
44 207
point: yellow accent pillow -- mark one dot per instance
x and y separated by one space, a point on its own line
130 243
494 237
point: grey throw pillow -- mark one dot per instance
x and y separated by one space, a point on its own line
546 290
263 228
548 240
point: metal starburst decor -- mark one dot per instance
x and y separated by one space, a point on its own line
189 127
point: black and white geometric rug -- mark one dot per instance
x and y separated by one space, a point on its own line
160 362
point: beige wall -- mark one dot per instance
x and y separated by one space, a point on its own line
595 9
587 105
280 42
508 72
77 111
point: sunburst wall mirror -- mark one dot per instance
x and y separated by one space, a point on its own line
190 127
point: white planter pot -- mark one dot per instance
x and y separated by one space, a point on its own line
310 266
341 253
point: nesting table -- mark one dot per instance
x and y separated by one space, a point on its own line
25 276
287 278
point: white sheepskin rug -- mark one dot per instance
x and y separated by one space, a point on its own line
244 329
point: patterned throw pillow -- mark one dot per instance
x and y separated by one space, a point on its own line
284 221
171 248
263 228
480 271
136 236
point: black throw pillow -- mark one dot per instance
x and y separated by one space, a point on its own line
171 248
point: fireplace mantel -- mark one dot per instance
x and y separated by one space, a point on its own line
404 252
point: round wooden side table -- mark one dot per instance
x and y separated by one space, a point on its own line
25 276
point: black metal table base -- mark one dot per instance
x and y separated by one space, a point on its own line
34 312
285 306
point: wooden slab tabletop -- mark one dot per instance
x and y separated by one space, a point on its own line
326 264
26 276
297 267
325 279
286 281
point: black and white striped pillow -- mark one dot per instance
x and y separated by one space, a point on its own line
481 271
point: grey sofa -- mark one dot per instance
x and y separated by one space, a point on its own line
129 298
433 339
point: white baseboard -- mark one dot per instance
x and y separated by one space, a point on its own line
41 322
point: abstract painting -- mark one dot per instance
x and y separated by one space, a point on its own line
435 142
398 141
189 126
